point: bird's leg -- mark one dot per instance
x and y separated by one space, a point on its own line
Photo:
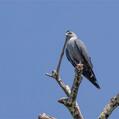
79 68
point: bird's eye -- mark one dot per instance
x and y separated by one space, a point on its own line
70 33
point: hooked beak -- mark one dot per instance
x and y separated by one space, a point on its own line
67 32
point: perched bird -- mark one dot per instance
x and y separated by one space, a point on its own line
76 53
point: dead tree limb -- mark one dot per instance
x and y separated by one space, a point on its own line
64 87
56 74
109 108
44 116
70 102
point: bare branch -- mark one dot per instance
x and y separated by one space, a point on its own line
70 102
77 82
61 56
55 73
113 104
64 87
73 109
44 116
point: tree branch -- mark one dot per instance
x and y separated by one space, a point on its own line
77 82
55 73
64 87
61 57
70 102
44 116
113 104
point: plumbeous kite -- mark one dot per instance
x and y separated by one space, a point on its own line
76 53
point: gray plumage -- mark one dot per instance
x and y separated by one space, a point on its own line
76 53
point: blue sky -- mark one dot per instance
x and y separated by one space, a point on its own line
31 37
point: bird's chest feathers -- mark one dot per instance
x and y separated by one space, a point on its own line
71 45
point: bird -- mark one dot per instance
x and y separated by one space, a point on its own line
77 53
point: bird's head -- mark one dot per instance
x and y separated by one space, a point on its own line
70 34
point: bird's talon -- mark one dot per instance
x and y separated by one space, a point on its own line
79 67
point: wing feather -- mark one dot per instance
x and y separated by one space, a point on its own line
83 51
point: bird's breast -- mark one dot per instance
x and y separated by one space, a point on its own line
74 52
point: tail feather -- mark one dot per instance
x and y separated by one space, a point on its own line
95 83
89 74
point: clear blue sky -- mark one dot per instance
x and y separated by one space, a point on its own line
31 37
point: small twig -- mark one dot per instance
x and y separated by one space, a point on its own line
61 56
65 88
113 104
55 73
45 116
